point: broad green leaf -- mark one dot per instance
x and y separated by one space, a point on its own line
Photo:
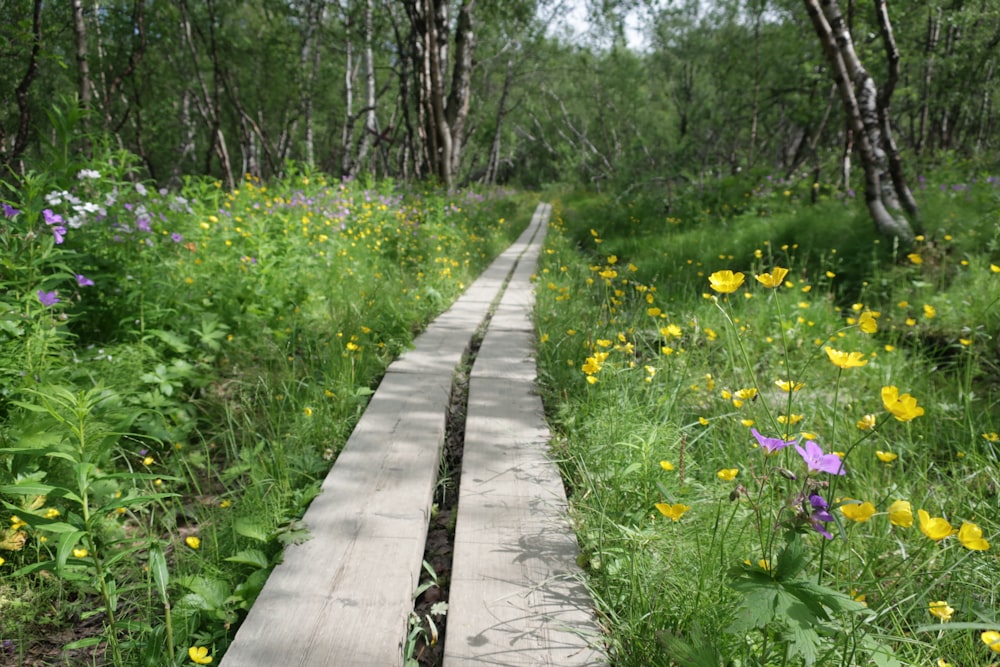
247 528
253 557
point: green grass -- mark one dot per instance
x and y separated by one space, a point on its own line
163 429
692 591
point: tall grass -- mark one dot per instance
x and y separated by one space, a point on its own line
701 547
179 371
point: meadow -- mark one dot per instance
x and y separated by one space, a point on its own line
179 371
780 431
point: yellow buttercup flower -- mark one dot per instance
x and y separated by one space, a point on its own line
904 408
936 528
941 609
788 386
199 655
859 512
674 512
192 541
773 279
992 639
666 465
929 311
901 513
915 258
886 457
867 423
728 474
79 553
867 321
992 436
845 359
725 282
971 537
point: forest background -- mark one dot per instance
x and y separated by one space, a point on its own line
482 92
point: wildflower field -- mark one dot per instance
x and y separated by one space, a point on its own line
780 432
179 369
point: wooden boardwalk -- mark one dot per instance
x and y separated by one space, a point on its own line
344 596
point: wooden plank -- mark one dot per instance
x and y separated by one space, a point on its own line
343 597
516 596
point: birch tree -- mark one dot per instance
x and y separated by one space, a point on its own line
867 118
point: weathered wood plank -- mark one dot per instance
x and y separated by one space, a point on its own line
516 596
343 597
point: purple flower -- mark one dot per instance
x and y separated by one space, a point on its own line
9 211
817 461
770 445
176 238
48 298
52 218
142 222
83 281
821 508
59 232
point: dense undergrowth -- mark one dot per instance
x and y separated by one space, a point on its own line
772 468
179 370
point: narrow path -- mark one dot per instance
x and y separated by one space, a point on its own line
344 596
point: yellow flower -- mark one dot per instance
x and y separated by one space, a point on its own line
859 512
671 331
790 419
886 457
773 279
936 528
199 655
941 609
944 663
725 282
591 379
992 437
971 537
307 411
929 311
747 394
994 268
831 274
788 386
2 561
79 553
148 461
728 474
674 512
666 465
992 639
653 312
603 342
17 523
867 321
915 258
192 541
845 359
866 423
702 421
51 513
747 422
904 408
901 513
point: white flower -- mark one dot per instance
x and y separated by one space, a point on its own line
88 173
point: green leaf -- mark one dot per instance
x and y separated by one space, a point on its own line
253 557
792 558
213 591
158 568
247 528
86 642
67 542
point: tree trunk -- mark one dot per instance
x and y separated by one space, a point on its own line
933 34
884 101
19 145
860 99
82 64
493 163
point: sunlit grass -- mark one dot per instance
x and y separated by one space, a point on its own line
654 381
